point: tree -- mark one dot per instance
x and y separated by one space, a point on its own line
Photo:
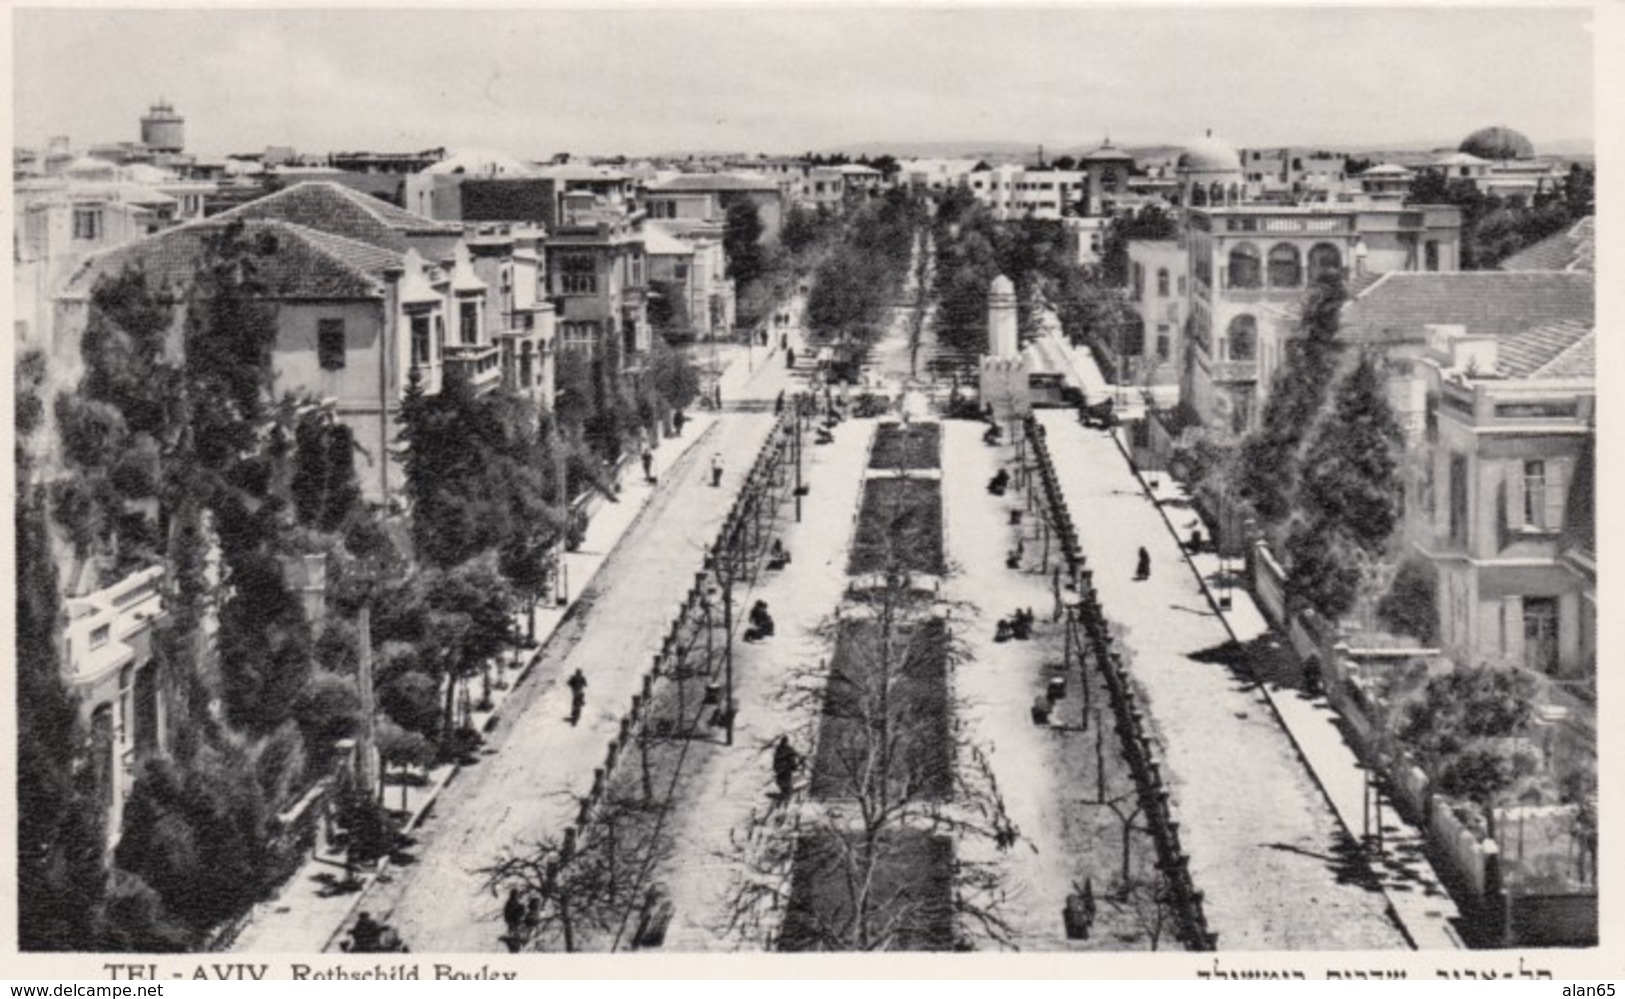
1411 605
466 623
325 489
872 868
1268 466
741 242
1349 482
60 837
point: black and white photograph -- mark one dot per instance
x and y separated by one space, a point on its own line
1113 485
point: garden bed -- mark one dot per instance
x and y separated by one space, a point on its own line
899 526
910 898
907 446
876 711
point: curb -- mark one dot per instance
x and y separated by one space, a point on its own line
1263 689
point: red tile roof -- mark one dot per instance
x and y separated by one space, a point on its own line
1573 249
1401 304
333 208
292 262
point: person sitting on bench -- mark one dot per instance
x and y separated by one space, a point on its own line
992 434
1021 625
1003 632
1013 560
999 483
823 436
761 623
778 556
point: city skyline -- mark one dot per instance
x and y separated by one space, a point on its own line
639 82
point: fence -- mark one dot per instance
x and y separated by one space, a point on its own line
733 557
1184 898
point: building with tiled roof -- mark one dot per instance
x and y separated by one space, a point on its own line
333 208
1508 412
1573 249
353 318
1399 306
708 196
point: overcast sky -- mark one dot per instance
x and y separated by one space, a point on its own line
762 79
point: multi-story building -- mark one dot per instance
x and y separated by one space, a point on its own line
361 302
690 263
1291 174
1506 440
1388 181
84 206
1012 191
597 277
107 665
1244 258
708 196
1153 351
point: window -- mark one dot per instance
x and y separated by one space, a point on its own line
1245 270
421 344
1162 282
1458 499
578 275
1285 271
1138 278
99 636
1243 335
1540 634
468 316
1324 258
87 223
679 271
1541 484
579 334
330 344
1162 342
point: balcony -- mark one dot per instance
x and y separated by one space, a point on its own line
478 364
102 626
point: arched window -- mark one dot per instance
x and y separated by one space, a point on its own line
1235 195
1216 194
1198 196
1246 269
1324 258
1162 282
1243 337
1285 271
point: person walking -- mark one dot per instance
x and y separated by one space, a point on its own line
677 421
716 470
578 694
513 913
790 358
648 465
1142 569
785 763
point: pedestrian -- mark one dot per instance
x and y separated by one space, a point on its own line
648 465
365 934
790 358
785 763
513 912
716 470
778 404
578 694
1142 570
784 341
677 421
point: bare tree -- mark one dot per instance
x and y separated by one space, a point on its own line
865 859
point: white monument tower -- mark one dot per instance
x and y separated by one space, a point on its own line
1004 370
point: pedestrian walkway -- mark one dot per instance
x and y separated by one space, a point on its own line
1422 903
307 912
717 804
1279 870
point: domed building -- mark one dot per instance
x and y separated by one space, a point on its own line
1498 143
1107 171
1210 173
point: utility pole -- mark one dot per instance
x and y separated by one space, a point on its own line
367 748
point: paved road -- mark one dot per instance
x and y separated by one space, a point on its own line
1264 843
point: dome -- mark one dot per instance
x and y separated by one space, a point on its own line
1209 155
1107 153
1498 143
